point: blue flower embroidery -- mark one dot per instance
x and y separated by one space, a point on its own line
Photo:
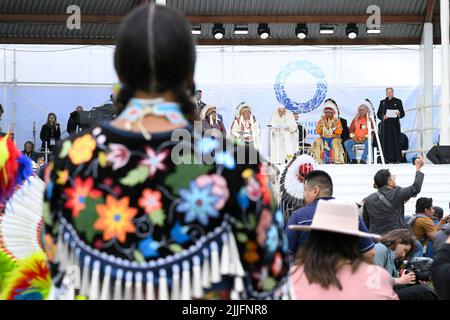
198 203
242 199
272 239
148 247
50 189
225 159
279 217
206 145
179 233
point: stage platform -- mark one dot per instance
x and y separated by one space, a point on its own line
353 182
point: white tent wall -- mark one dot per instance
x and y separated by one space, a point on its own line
58 78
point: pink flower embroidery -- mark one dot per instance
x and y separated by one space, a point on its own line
154 161
219 188
119 155
150 200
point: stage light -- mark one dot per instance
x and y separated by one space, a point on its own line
218 31
326 29
240 29
351 31
373 31
196 29
301 31
263 31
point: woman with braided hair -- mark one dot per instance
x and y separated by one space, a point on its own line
134 204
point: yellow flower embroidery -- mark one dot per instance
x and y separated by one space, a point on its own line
62 176
247 173
82 149
102 159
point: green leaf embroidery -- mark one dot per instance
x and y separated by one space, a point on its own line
157 217
185 172
175 248
47 215
241 237
87 218
136 176
269 284
252 221
138 256
239 225
65 148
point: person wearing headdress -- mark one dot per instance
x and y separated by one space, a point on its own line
292 183
328 147
284 135
245 128
211 120
359 132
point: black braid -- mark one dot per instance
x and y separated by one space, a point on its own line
187 105
123 97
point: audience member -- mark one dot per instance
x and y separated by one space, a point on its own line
330 264
384 210
400 244
440 271
317 186
50 133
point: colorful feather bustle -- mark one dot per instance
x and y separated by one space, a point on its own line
29 280
7 265
14 168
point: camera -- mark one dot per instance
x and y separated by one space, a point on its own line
96 116
421 267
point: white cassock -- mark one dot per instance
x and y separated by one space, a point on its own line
283 136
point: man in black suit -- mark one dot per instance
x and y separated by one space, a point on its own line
390 112
198 101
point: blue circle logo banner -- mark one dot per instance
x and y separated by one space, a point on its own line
321 87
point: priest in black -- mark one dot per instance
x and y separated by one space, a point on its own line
390 112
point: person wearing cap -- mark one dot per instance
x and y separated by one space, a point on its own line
212 120
359 133
328 147
317 186
283 135
330 265
245 127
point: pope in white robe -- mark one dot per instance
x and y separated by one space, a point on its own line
283 135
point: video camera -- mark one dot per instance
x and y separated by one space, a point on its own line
421 267
95 116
